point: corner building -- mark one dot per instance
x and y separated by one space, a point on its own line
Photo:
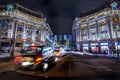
98 30
20 27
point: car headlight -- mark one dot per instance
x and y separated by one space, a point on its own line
56 59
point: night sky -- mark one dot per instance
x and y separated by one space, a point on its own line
60 14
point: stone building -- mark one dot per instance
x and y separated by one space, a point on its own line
98 29
20 27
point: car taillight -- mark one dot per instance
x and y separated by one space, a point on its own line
18 59
38 60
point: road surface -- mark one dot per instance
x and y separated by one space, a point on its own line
83 67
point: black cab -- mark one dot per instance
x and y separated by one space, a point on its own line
35 57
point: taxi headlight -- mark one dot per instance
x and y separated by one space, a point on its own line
56 59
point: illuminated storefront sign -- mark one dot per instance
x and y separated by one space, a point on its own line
93 44
103 43
85 44
117 43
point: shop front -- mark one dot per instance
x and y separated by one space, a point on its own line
81 47
94 48
78 46
117 47
5 46
104 46
18 46
26 46
85 47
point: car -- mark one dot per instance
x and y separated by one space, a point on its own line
67 49
59 52
74 49
35 57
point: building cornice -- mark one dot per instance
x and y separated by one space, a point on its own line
103 6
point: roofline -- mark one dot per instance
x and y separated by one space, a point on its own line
95 10
29 9
24 8
49 28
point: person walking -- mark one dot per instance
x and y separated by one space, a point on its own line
104 52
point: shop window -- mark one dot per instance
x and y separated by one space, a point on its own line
19 37
93 30
10 26
31 32
8 20
37 32
5 44
103 28
2 33
6 34
20 29
11 20
18 45
36 38
93 37
104 36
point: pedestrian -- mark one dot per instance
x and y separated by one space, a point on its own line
104 52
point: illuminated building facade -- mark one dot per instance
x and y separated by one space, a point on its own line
98 30
20 27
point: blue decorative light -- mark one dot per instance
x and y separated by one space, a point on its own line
51 37
70 37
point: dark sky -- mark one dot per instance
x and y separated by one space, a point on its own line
60 14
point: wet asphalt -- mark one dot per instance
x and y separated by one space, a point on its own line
72 67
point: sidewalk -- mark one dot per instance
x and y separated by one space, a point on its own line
103 55
4 55
106 55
